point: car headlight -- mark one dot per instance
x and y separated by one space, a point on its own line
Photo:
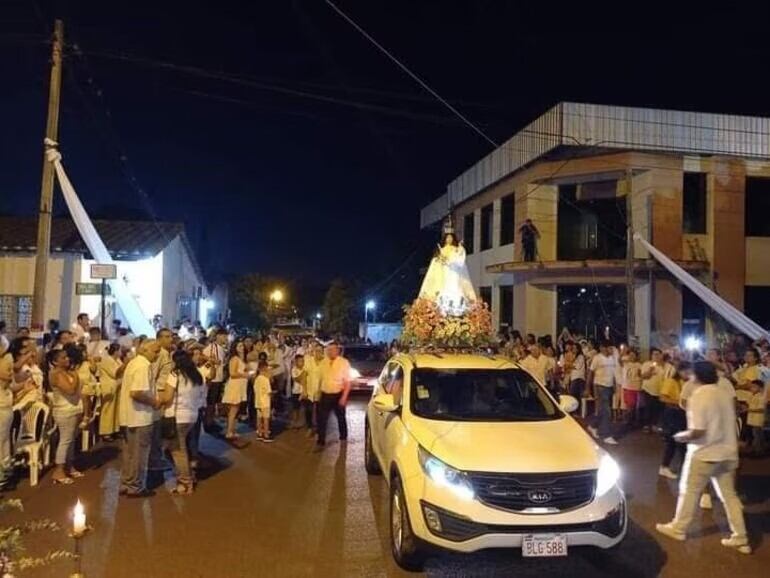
607 476
444 475
354 373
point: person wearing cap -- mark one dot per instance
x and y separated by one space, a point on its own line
335 388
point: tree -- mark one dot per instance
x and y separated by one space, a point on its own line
249 301
338 309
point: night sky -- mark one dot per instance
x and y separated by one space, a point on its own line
315 160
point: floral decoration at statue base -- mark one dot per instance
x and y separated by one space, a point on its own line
427 326
447 314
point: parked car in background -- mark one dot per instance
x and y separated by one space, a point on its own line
477 454
366 363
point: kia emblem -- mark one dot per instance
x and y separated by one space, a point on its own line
539 496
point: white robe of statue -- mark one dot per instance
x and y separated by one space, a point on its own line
448 281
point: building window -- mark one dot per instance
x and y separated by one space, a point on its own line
506 306
757 207
486 227
591 223
694 198
756 304
469 232
16 311
507 218
486 295
693 314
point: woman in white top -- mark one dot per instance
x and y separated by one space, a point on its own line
183 398
110 372
67 405
235 388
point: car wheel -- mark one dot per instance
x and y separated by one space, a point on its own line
407 550
370 460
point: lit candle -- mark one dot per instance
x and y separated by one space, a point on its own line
79 519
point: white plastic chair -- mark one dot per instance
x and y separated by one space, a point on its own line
32 442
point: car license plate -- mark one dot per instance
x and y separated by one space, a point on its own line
544 545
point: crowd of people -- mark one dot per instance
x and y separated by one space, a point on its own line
158 394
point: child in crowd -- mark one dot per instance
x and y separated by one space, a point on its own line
262 393
298 387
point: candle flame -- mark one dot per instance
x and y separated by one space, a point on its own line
79 509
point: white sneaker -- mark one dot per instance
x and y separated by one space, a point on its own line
740 544
593 431
667 473
705 502
671 532
611 441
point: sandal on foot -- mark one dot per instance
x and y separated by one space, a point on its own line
63 481
182 489
76 474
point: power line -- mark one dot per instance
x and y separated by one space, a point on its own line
410 73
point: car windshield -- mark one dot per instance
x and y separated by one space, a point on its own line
354 354
480 395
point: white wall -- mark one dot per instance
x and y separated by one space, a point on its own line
17 277
180 280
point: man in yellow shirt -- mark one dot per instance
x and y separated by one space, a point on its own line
335 388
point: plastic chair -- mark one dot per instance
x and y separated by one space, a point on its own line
33 440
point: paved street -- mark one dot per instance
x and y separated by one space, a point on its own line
280 510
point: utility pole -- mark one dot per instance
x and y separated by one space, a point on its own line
46 189
630 286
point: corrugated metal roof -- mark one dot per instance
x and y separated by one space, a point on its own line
125 240
607 127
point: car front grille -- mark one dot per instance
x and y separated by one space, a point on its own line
520 492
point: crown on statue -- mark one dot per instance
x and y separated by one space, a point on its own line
449 228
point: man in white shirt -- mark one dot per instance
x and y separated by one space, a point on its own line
601 380
80 328
216 355
536 364
140 413
335 388
712 455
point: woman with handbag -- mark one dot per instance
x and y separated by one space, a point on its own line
183 398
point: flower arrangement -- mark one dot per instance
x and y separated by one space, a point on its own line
425 325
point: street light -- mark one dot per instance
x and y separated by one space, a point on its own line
370 306
276 296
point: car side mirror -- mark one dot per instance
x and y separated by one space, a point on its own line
568 404
385 402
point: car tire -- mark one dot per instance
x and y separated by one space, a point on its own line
407 549
370 460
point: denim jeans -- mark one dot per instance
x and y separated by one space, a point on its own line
67 425
180 453
604 409
6 420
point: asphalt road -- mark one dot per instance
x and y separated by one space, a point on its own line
280 510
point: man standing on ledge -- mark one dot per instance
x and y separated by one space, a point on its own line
529 237
335 388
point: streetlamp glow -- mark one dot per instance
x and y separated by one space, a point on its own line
692 343
318 316
369 306
276 296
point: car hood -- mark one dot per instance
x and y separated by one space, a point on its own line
544 446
